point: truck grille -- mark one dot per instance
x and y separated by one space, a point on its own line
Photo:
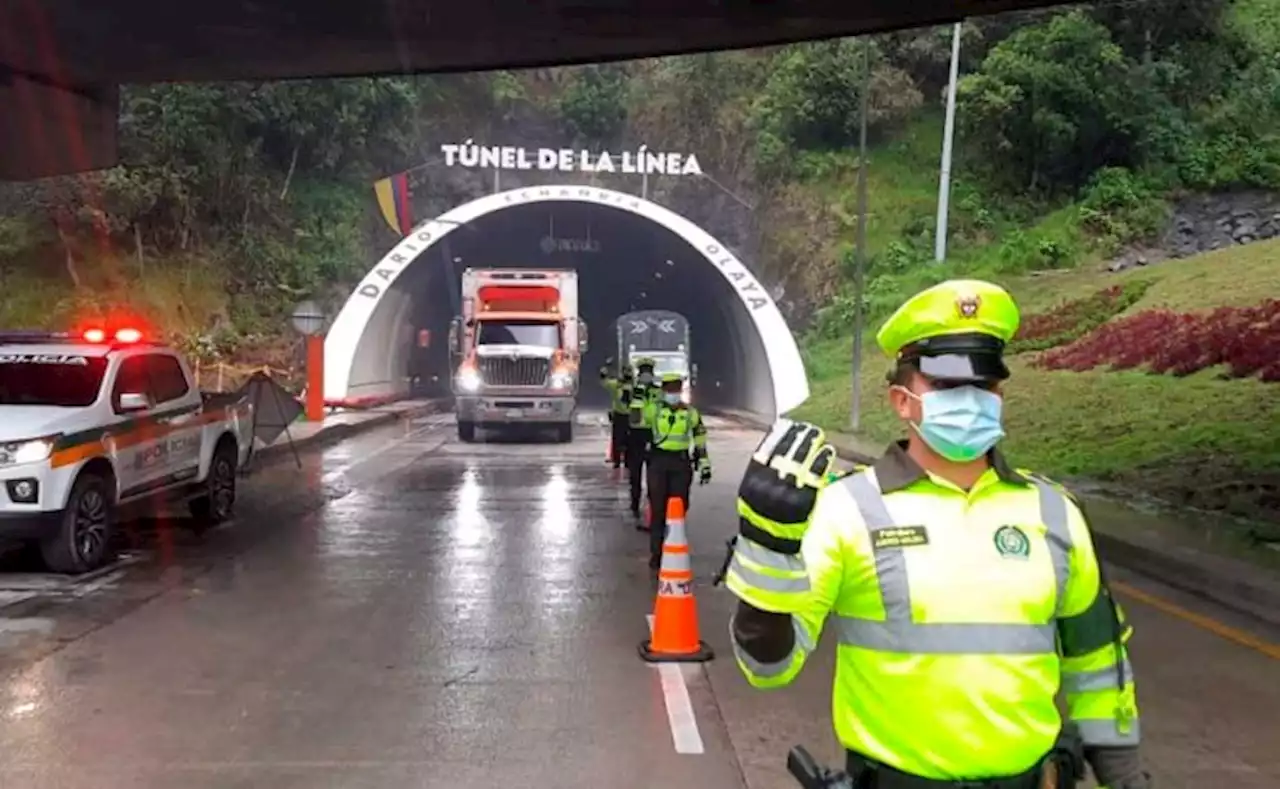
514 372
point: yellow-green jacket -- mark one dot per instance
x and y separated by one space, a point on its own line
956 615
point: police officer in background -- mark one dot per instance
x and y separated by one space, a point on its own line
962 591
644 394
678 445
619 389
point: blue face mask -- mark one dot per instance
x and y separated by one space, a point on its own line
960 424
672 398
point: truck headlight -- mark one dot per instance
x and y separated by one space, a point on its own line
15 453
468 380
561 380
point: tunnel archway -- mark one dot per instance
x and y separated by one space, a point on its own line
630 253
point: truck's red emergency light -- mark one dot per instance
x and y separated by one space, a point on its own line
124 336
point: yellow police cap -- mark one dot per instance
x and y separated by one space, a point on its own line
672 378
956 329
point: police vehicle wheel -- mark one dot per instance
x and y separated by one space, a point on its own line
84 541
466 431
218 503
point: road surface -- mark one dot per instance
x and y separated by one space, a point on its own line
409 611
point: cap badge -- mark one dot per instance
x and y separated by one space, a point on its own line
967 306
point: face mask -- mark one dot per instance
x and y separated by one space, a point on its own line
671 398
645 378
960 424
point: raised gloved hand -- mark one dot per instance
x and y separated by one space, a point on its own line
775 503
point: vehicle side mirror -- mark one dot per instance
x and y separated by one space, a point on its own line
132 402
455 336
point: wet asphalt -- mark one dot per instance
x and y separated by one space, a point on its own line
409 611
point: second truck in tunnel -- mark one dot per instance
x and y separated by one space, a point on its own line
661 335
519 344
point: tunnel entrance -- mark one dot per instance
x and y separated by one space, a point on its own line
630 254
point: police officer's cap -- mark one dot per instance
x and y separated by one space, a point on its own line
953 331
645 363
672 378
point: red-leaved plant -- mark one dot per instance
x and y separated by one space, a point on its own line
1244 339
1073 319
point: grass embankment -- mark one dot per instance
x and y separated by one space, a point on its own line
1199 438
184 301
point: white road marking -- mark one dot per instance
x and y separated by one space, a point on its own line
684 725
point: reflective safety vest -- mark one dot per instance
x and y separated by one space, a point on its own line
680 429
958 614
622 398
644 398
619 394
673 428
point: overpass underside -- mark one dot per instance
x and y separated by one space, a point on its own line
625 262
62 61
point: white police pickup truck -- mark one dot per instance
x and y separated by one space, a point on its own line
96 426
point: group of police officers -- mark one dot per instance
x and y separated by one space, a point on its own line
653 427
963 593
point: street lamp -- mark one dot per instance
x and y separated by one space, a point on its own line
948 135
860 249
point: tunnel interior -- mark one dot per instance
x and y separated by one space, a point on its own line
625 262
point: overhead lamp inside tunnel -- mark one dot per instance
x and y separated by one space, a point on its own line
642 256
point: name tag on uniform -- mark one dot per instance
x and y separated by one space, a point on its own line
899 537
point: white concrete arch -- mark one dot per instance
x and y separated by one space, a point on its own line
786 368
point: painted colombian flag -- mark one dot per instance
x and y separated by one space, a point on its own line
393 199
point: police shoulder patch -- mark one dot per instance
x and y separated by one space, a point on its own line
1012 542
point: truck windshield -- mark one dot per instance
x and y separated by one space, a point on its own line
670 364
64 381
538 333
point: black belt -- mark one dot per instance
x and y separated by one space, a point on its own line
868 774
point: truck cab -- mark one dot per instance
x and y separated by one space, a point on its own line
518 349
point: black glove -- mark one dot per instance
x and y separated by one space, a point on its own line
781 484
704 475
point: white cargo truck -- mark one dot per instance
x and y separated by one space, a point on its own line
517 348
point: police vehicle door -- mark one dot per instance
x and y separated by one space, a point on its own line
135 440
180 425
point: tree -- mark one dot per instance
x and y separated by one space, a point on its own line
1049 105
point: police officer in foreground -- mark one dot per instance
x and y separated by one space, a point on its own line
961 590
619 389
644 395
678 445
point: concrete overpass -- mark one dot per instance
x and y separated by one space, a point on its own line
642 256
62 61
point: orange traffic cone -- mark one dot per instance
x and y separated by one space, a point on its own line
675 614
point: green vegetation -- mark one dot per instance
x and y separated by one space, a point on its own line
1200 438
1077 129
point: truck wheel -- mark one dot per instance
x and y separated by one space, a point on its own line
466 431
564 433
86 531
217 504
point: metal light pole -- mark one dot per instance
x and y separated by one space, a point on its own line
860 251
948 134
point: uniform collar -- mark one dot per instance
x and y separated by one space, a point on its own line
896 470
